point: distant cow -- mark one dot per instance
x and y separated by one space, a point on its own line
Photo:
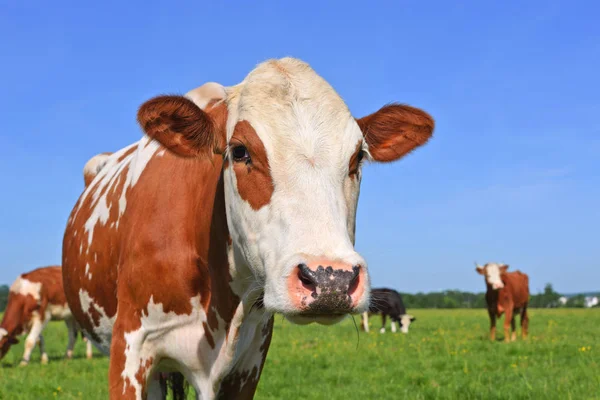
239 202
388 302
35 299
507 292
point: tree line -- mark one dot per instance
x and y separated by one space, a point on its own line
444 299
457 299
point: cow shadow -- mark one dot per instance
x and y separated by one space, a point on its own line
8 364
75 357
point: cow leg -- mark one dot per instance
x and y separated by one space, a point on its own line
119 387
130 363
365 321
524 322
393 326
513 328
43 354
156 391
492 325
89 351
37 327
382 330
508 316
72 331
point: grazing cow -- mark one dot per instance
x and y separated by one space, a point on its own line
387 302
237 203
35 299
508 293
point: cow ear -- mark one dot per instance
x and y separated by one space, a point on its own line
179 125
13 340
413 319
503 268
395 130
480 269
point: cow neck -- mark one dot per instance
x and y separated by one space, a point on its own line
492 293
12 320
215 250
240 311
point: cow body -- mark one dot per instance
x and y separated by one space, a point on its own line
36 298
184 245
507 293
388 303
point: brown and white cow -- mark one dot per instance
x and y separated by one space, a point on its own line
239 202
508 293
34 299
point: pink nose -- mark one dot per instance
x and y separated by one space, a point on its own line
497 286
326 287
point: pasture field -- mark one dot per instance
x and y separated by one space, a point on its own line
446 355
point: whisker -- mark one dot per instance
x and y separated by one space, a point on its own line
357 333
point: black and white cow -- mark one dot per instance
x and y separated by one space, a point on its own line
388 302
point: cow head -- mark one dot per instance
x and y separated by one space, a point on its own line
17 316
6 340
405 321
293 155
492 272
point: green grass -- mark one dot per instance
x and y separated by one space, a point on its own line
445 356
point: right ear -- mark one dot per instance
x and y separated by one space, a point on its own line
479 268
180 125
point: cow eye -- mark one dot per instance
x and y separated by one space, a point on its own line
360 156
240 154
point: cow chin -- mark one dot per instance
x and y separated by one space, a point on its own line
319 319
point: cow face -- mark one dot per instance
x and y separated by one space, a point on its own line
492 272
405 321
292 169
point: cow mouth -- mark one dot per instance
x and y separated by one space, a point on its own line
321 319
306 317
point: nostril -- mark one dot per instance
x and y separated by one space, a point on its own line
356 271
307 277
354 280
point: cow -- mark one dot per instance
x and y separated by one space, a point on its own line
34 299
387 302
508 293
237 203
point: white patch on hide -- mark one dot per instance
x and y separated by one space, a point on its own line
26 287
104 328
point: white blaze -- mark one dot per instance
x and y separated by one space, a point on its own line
405 322
492 275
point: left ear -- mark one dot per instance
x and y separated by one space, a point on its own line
395 130
503 268
180 125
13 340
413 319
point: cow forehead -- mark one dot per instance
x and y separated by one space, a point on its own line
291 107
492 267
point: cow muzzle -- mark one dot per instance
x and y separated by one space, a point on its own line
326 289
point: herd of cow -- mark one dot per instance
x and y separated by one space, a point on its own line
238 203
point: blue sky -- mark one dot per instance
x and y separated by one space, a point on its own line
512 173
